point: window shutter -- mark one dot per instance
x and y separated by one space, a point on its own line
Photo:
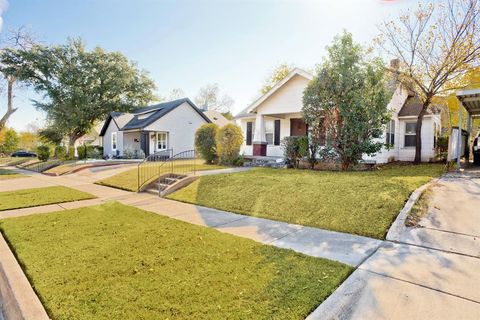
249 133
276 140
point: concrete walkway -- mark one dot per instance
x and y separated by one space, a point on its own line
430 272
342 247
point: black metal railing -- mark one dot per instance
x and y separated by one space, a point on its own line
176 168
148 169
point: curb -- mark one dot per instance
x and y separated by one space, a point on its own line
17 298
399 224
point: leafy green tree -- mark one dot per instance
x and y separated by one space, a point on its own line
8 140
80 86
278 74
205 141
348 97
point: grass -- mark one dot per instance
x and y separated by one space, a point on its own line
9 174
26 198
118 262
363 203
128 180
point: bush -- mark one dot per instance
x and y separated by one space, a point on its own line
94 152
205 142
239 161
128 153
71 153
229 139
60 152
295 148
82 152
139 154
43 152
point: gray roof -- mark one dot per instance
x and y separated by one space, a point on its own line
412 107
137 120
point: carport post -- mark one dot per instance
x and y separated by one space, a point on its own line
469 132
459 141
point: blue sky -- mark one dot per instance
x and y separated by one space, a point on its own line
187 44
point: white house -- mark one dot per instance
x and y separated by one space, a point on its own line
165 126
278 114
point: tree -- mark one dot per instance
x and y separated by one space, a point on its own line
81 86
27 140
348 98
435 44
209 98
16 40
176 93
277 74
8 140
205 141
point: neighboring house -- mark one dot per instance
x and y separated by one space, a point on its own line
168 125
278 114
217 118
91 138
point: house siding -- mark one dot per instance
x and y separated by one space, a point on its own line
181 125
107 140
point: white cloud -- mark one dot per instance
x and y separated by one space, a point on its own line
3 8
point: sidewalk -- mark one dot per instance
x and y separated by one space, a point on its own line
342 247
430 272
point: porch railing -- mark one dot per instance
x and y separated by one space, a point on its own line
148 169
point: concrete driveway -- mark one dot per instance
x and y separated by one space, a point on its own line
428 272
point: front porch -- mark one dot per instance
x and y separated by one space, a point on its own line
149 142
265 132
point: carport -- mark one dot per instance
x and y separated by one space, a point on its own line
470 100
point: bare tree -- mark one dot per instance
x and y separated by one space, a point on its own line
176 93
435 45
15 39
209 98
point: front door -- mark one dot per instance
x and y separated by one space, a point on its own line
298 127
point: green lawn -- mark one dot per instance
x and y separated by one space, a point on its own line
364 203
9 174
118 262
25 198
128 180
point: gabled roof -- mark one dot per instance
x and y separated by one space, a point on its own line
413 106
142 117
251 108
217 118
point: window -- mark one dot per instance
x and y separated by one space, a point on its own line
162 140
390 133
114 141
410 134
269 130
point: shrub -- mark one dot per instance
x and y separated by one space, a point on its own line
128 153
71 153
295 148
205 141
239 161
43 152
82 152
229 139
139 154
94 152
60 152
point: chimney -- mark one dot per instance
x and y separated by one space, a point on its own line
394 66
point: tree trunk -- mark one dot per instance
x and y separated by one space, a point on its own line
345 165
10 108
418 132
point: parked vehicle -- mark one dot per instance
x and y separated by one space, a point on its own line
23 154
476 150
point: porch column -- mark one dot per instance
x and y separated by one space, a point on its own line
459 142
259 139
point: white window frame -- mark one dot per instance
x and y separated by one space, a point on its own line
165 133
114 141
409 134
272 132
389 132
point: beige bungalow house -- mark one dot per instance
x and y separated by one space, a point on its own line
278 114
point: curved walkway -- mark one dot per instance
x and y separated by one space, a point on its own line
342 247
